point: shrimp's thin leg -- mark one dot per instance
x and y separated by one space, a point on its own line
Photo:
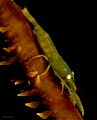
62 81
39 56
47 69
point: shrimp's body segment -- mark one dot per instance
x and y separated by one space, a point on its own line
59 66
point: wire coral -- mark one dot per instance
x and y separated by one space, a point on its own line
20 44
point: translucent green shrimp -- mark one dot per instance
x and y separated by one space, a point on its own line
59 66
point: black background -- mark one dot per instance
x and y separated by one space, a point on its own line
69 25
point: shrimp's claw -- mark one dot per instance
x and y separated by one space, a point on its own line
79 103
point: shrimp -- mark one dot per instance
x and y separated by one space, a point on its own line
59 66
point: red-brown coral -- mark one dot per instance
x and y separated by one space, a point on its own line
22 46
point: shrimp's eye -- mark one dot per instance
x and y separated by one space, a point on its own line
68 76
